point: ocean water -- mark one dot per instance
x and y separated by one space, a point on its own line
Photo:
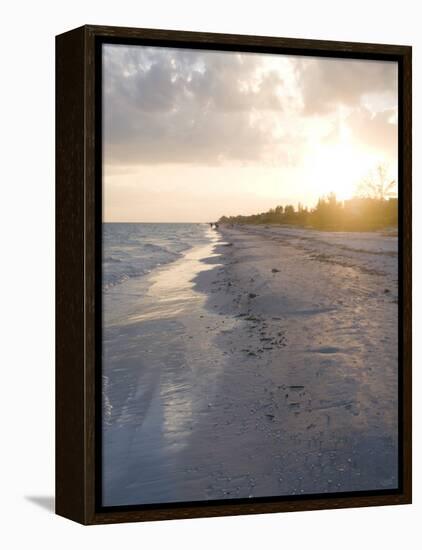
135 249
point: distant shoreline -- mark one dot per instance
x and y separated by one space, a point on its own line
390 231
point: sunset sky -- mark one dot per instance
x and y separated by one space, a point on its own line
190 135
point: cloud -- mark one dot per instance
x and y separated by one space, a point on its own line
327 83
377 131
164 105
167 105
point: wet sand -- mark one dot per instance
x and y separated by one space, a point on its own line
262 364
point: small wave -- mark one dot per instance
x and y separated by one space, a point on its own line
111 259
117 279
158 248
134 250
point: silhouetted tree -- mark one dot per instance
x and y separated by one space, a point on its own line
356 214
377 185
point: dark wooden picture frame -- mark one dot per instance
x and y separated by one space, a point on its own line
78 255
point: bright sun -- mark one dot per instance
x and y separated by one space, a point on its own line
337 168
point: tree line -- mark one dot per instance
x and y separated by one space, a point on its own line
371 209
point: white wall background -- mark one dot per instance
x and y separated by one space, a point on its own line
27 270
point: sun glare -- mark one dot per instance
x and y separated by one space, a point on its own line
337 168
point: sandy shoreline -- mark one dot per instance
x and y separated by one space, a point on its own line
281 377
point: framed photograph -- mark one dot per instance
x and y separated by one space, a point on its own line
233 274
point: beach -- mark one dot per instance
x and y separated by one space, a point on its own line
260 361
